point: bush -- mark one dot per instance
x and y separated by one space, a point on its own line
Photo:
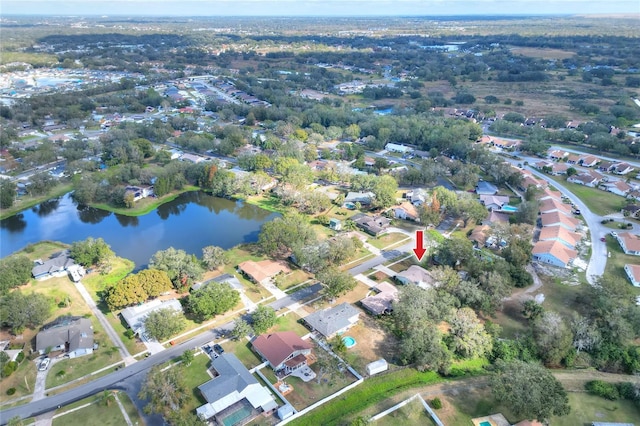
129 333
603 389
11 391
20 357
60 373
9 368
627 390
436 403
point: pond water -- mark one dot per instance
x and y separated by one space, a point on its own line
190 222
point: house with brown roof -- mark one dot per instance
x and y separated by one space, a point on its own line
558 233
285 351
550 206
633 273
630 243
479 235
496 217
528 180
631 210
606 166
507 145
382 302
553 253
588 161
548 194
622 169
494 202
573 159
406 211
618 187
558 154
584 179
263 271
634 195
557 218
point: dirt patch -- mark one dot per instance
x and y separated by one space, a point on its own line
372 343
379 276
542 53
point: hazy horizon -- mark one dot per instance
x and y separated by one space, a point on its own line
319 8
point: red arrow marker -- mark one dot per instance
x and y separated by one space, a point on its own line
419 250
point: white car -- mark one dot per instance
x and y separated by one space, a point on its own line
44 364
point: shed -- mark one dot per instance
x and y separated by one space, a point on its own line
376 367
285 411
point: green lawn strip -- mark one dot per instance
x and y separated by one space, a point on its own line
96 414
146 205
130 408
96 282
290 322
43 249
242 349
413 413
267 202
26 202
599 202
615 263
79 367
370 392
26 369
133 345
292 279
387 240
195 375
586 408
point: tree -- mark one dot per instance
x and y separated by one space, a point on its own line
154 282
532 309
282 235
165 390
7 193
385 191
187 357
18 310
125 292
164 323
469 339
241 329
182 268
529 390
91 252
423 347
211 300
263 318
552 337
14 271
214 257
335 282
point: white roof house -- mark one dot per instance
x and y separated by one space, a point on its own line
135 315
394 147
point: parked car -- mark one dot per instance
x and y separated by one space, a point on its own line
218 349
603 239
44 364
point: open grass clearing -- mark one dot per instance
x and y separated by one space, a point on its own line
23 380
599 202
43 249
617 260
412 414
95 282
460 406
587 408
99 413
290 322
387 240
242 349
292 279
134 345
195 375
373 342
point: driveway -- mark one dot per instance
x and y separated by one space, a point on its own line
41 378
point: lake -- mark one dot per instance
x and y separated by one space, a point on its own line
190 222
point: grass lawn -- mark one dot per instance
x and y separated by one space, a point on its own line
96 282
413 413
43 249
615 263
588 408
292 279
370 392
266 202
195 375
460 408
27 201
100 414
239 254
242 349
402 265
289 322
387 240
145 205
134 345
600 202
305 394
17 381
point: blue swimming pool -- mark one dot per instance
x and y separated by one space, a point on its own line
349 341
508 208
350 206
485 424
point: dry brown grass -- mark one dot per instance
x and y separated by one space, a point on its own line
543 53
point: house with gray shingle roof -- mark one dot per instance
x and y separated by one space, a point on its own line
331 321
73 335
56 266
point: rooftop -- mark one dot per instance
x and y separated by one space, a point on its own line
331 320
277 347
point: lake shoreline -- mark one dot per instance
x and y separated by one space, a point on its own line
145 208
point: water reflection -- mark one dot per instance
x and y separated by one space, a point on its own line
125 221
14 224
91 215
47 207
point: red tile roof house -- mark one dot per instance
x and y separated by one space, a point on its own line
622 169
588 161
285 351
553 253
556 218
550 206
558 233
548 194
633 273
629 242
261 272
558 154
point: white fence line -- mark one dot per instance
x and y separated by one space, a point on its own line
401 404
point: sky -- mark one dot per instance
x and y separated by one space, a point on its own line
316 7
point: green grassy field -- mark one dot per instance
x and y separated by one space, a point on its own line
412 414
589 408
145 205
599 202
195 375
99 413
387 240
615 263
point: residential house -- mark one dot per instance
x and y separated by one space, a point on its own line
606 166
621 169
559 169
364 198
634 195
558 155
633 272
285 351
335 224
228 279
631 210
573 159
56 266
486 188
618 187
550 205
134 316
262 271
554 253
494 202
559 219
233 385
139 192
588 161
495 218
374 225
630 243
382 302
561 234
548 194
393 147
416 275
584 179
332 321
528 180
503 144
73 335
417 197
573 124
479 235
406 211
195 159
